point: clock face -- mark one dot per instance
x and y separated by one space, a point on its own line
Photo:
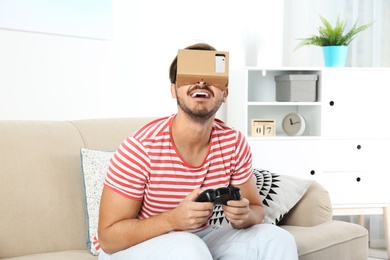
294 124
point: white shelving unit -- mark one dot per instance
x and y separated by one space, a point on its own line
346 144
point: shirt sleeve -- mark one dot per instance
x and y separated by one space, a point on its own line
128 170
243 161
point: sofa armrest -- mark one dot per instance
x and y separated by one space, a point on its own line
313 209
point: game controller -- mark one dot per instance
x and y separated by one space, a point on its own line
220 195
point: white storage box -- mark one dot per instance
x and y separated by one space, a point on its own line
296 87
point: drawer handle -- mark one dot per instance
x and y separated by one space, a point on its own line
359 147
312 172
358 179
331 103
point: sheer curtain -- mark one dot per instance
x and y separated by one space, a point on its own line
369 49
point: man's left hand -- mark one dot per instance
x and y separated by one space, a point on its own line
237 211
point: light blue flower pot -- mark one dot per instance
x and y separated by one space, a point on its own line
335 56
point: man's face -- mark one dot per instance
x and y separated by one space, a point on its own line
199 101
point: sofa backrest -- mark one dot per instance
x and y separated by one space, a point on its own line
41 191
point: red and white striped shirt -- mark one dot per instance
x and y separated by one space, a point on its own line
148 167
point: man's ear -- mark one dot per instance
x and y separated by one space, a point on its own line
225 94
173 90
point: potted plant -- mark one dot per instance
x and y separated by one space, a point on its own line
333 40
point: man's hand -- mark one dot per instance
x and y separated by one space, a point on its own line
190 214
248 210
237 211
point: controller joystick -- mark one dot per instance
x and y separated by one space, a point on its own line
220 195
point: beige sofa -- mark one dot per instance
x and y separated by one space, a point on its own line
42 211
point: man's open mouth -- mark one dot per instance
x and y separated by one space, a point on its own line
200 95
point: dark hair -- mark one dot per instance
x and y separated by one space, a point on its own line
197 46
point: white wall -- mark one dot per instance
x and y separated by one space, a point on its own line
45 76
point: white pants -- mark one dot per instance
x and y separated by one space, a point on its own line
263 241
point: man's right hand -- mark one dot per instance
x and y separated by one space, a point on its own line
190 214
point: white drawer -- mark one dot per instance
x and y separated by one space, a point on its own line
299 157
356 155
356 187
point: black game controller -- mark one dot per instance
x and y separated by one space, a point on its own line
220 195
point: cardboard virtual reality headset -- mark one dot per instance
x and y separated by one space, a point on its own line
211 67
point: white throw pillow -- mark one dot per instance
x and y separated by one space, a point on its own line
94 165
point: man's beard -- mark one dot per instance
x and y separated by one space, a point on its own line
198 115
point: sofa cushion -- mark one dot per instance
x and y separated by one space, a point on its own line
61 255
331 240
279 194
94 165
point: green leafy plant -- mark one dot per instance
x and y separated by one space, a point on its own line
333 36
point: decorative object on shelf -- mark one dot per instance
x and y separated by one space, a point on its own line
334 41
294 124
263 127
296 87
335 56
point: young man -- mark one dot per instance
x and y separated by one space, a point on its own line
148 208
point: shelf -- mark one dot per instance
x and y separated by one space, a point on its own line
311 111
254 92
261 103
281 136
